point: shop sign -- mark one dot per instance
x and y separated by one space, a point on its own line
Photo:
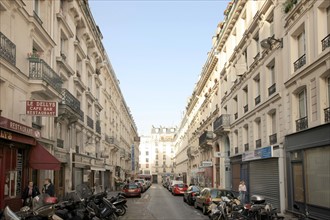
8 135
41 108
262 153
18 127
206 164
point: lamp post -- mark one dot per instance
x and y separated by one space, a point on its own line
267 43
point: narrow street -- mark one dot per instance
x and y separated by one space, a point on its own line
158 203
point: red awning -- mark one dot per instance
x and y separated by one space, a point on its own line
41 159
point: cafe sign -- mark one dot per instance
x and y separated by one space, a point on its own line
41 108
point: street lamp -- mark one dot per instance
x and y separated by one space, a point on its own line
267 43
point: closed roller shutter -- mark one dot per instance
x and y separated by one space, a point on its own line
264 180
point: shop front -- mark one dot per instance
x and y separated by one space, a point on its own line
20 155
308 171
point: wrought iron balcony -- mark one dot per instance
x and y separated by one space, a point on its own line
60 143
257 100
7 49
71 102
272 89
98 126
221 124
327 114
258 143
39 70
302 123
246 147
246 108
325 42
273 138
205 140
90 122
300 62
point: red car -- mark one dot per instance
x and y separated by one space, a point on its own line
132 190
179 189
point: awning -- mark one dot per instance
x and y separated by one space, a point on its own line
41 159
97 168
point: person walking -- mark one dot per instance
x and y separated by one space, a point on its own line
48 188
242 191
29 193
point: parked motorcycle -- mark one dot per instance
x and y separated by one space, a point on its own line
119 201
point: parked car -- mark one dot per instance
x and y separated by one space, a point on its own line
173 182
179 189
189 196
140 185
208 195
143 182
131 189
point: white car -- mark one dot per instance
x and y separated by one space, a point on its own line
172 183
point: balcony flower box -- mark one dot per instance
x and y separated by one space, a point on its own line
34 56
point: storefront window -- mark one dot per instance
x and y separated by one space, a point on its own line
317 168
298 186
10 184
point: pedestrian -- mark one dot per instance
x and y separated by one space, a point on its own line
29 193
242 191
48 188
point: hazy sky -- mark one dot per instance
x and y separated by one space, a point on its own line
157 49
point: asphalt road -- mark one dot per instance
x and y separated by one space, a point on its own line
157 203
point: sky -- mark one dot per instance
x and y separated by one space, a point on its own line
157 49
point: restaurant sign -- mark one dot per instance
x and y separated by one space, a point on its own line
18 127
41 108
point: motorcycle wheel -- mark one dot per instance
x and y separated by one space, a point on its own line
204 210
122 210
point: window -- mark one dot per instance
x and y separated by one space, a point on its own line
147 160
302 104
272 78
246 137
164 157
257 89
90 81
246 99
273 122
328 19
257 44
328 80
147 153
235 107
301 44
37 6
258 132
147 165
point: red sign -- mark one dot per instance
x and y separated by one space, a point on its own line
18 127
16 137
41 108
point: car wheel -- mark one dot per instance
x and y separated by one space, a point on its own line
195 205
204 210
184 199
139 195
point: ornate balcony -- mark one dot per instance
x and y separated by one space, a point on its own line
257 100
327 114
221 124
272 89
113 142
205 140
40 70
273 138
90 122
258 143
70 107
300 62
325 42
302 123
7 49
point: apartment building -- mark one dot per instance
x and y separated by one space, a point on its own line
63 115
157 154
266 118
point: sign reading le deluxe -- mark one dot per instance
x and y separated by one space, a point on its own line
41 108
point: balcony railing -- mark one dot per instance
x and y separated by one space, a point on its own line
60 143
71 101
39 70
98 126
302 123
272 89
7 49
258 143
257 100
222 122
327 114
325 42
90 122
273 138
206 136
246 147
300 62
246 108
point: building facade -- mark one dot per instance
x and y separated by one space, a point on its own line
157 154
63 115
260 110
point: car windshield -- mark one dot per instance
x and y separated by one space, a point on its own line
217 193
181 185
132 186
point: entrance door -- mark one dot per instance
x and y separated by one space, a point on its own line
298 185
59 182
154 179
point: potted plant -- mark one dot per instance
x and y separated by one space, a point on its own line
34 56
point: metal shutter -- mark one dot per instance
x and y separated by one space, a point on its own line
264 180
